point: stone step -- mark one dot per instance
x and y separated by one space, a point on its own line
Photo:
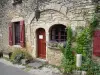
36 63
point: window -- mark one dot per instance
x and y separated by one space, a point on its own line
16 33
58 33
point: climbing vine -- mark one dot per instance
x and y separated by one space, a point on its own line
85 41
84 46
68 62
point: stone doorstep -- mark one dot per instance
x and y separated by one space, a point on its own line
40 60
36 63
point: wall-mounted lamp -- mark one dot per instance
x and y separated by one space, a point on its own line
37 14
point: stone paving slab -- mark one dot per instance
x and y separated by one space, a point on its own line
35 64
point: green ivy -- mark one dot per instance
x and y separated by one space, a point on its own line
84 46
68 62
84 41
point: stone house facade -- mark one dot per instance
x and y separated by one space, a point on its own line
20 27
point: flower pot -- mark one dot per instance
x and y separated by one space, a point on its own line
78 60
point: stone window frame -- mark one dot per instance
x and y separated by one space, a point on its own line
58 33
22 32
54 44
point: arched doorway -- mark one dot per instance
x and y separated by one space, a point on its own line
41 43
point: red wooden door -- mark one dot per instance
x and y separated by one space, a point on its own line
41 43
96 43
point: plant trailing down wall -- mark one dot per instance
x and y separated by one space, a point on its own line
92 67
68 57
83 40
84 46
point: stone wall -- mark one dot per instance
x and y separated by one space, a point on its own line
67 12
54 56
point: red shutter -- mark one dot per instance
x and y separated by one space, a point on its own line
22 34
10 34
96 43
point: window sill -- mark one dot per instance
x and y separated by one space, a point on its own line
17 46
56 45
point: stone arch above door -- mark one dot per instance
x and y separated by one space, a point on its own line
32 16
50 17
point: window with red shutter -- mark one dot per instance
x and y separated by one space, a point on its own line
22 37
96 43
16 33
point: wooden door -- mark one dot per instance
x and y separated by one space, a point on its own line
96 43
41 43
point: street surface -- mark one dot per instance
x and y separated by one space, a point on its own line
10 70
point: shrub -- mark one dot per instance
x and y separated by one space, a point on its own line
18 54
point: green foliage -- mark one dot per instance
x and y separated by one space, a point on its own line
68 62
18 54
94 23
84 46
92 67
83 41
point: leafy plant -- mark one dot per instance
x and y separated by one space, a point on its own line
84 44
92 67
68 58
83 40
19 54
